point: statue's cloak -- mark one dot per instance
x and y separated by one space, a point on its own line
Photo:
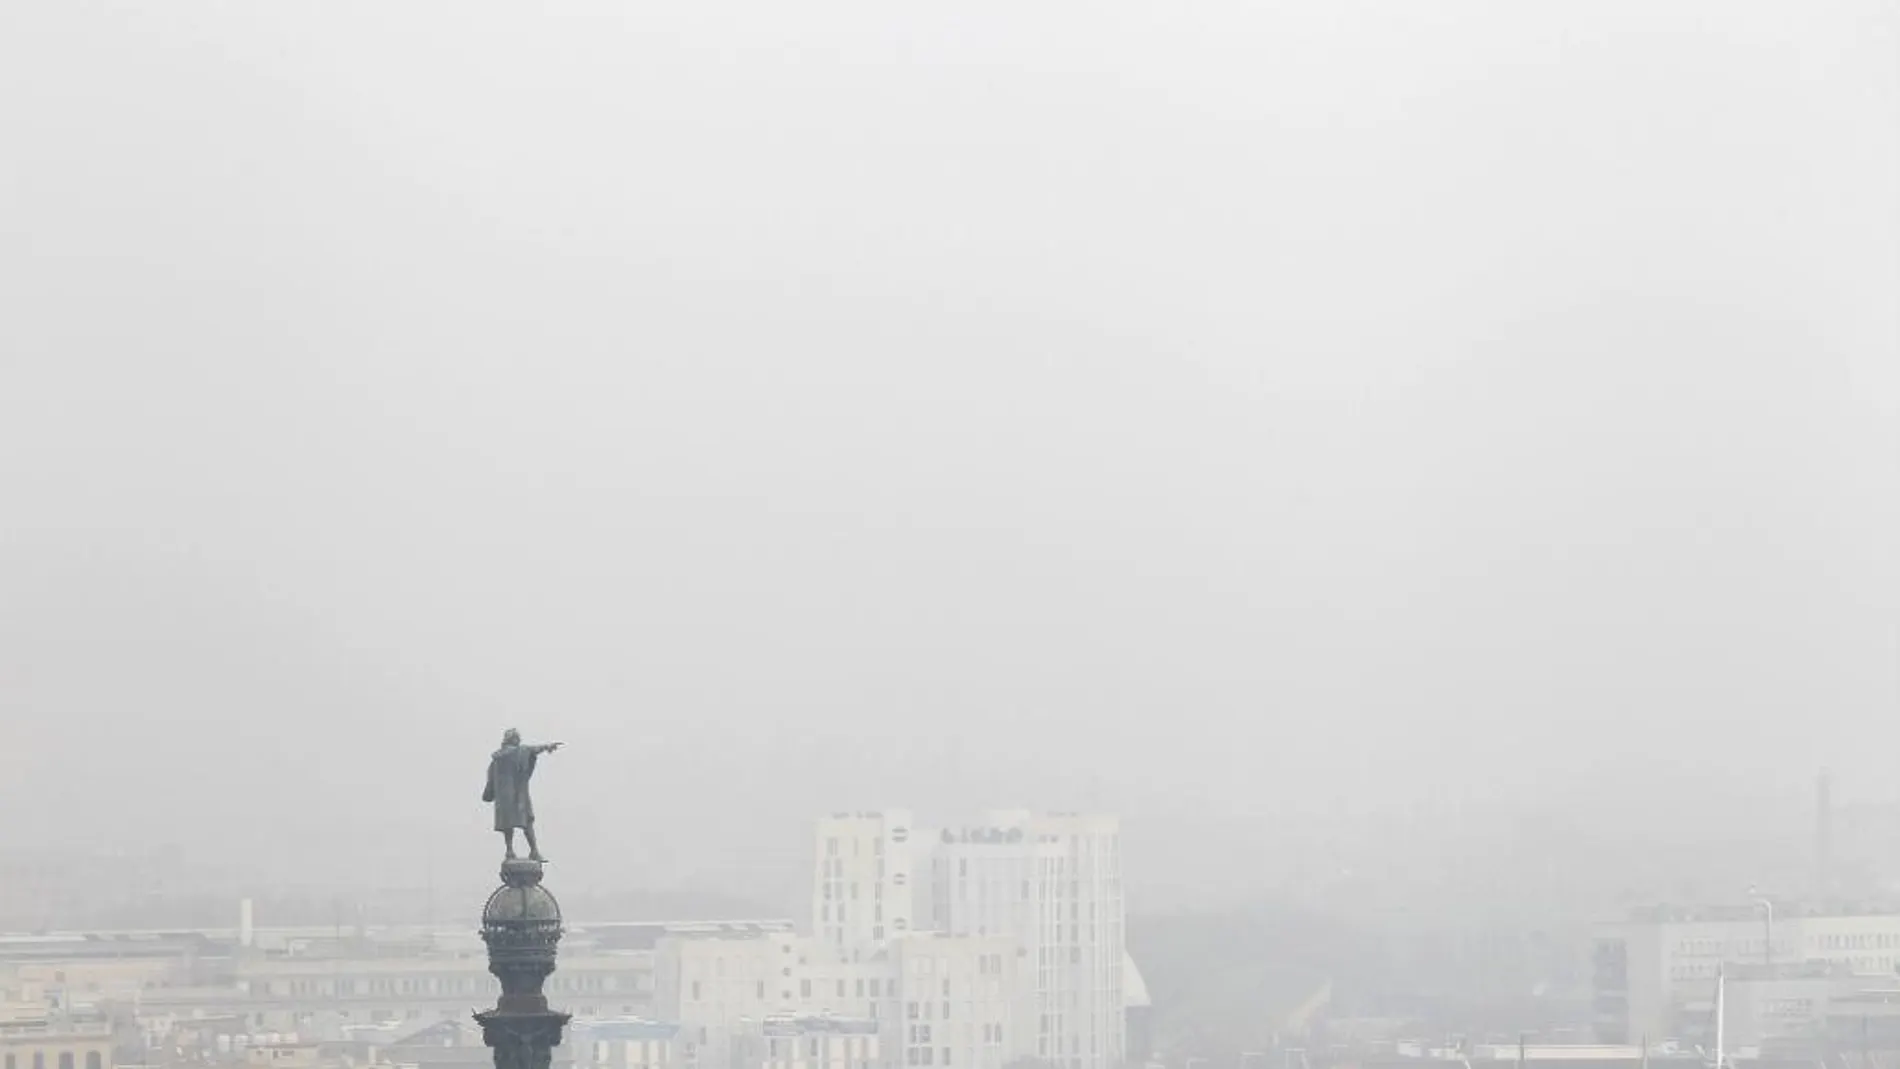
508 772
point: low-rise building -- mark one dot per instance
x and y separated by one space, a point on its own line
633 1043
283 1055
1656 969
31 1038
720 985
936 999
442 1045
809 1041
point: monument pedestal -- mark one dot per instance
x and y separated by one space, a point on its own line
521 924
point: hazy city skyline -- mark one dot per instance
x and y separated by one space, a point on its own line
1210 410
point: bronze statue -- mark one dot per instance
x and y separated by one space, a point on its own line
508 772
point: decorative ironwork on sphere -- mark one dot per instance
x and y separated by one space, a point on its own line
521 924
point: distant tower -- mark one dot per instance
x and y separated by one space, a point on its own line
521 925
1824 834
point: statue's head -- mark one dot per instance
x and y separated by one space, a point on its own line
511 737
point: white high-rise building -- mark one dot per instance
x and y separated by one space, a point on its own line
1051 884
863 886
975 947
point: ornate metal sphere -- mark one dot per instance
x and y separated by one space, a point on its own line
521 923
530 906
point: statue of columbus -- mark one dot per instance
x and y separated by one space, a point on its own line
509 769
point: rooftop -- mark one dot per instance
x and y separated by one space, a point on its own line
1671 913
802 1024
1757 971
625 1028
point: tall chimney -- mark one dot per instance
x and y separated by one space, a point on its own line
247 930
1824 834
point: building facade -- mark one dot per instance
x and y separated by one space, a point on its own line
961 999
34 1039
625 1044
1655 971
864 885
980 946
792 1041
1052 884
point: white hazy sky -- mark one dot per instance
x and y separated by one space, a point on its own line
1169 407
